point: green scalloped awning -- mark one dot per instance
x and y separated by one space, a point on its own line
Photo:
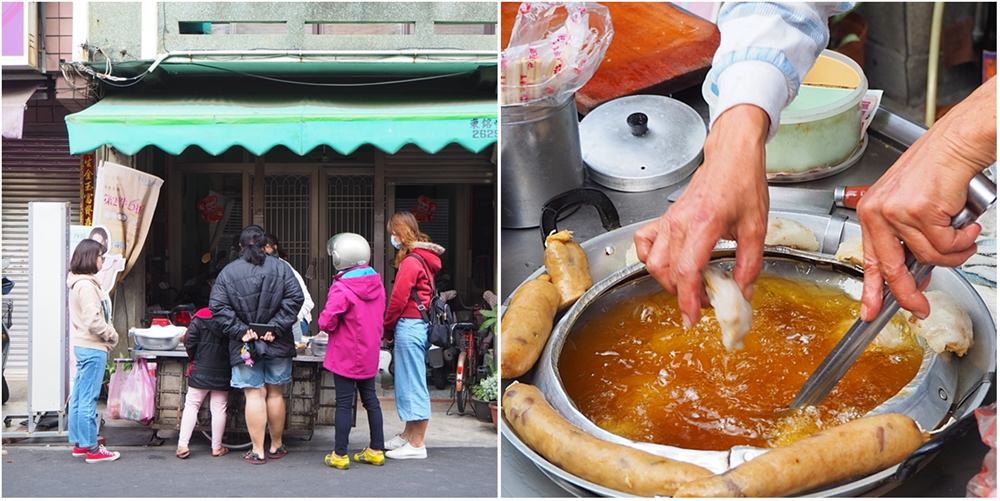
259 123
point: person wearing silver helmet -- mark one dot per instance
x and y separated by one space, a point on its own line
352 318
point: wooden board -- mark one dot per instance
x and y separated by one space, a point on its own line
657 49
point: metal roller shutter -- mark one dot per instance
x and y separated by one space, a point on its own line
453 164
34 169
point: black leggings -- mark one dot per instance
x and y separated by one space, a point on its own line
345 402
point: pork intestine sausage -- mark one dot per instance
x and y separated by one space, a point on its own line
526 326
604 463
567 263
860 447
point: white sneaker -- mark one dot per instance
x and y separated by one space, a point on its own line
407 451
395 443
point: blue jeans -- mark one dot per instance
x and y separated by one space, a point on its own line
266 371
413 400
90 366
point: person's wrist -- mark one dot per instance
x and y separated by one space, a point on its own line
739 132
746 123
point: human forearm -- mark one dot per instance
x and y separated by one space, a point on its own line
969 131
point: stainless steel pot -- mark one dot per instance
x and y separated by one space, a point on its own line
540 158
612 265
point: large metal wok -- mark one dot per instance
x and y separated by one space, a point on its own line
945 390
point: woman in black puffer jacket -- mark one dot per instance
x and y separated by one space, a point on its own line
259 289
208 373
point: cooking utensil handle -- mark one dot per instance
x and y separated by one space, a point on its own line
572 198
925 453
982 194
849 196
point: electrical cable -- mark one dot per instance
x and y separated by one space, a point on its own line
321 84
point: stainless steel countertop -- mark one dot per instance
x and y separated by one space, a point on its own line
150 354
521 254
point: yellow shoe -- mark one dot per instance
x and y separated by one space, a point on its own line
369 456
338 462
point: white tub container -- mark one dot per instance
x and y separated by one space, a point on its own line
820 131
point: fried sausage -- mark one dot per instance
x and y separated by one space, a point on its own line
857 448
612 465
567 264
526 326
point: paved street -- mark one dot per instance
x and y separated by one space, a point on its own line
155 472
462 462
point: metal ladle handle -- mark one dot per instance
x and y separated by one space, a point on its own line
982 193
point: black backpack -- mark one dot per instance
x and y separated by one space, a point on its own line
439 317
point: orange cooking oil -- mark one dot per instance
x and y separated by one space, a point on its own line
637 373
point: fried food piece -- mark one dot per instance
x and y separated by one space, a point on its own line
526 326
612 465
860 447
731 309
851 252
567 264
947 328
790 234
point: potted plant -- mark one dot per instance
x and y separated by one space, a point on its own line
485 393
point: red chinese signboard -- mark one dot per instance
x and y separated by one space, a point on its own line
88 177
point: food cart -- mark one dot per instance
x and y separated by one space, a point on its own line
310 398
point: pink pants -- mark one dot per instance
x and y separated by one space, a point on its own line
192 403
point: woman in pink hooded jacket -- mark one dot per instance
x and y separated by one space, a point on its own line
352 317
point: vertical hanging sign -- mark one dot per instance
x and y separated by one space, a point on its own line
88 175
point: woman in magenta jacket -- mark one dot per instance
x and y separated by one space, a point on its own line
352 317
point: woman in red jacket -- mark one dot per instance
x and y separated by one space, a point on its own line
418 260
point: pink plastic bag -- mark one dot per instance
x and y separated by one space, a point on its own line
984 485
138 397
115 392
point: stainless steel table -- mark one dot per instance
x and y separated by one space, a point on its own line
521 252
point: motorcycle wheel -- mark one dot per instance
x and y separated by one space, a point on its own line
6 391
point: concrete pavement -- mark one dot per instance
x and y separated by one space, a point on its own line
155 472
462 462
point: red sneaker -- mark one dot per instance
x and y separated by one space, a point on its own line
102 454
79 452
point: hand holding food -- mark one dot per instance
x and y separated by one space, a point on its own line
916 198
612 465
526 326
857 448
568 266
727 198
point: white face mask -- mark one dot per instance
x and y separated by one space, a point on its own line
395 242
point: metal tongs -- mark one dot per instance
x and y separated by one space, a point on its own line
982 194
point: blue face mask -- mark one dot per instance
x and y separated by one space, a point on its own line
395 242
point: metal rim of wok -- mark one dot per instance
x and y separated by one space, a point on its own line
608 254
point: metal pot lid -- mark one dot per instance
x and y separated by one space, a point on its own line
642 143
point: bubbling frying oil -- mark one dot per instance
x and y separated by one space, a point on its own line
637 373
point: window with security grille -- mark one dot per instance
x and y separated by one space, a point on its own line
350 208
287 216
